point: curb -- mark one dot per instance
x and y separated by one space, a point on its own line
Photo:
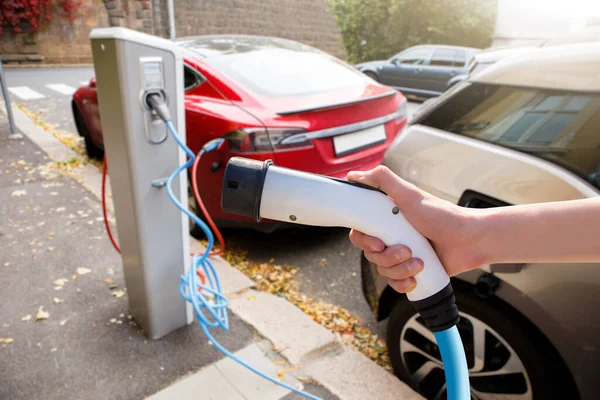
342 370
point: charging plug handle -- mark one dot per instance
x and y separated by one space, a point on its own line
157 103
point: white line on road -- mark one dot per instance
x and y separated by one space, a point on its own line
24 93
61 88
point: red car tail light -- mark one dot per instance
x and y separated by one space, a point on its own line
256 140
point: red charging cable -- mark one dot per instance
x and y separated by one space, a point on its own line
210 221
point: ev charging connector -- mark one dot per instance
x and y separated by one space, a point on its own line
133 70
261 190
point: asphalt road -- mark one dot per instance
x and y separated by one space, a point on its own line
48 91
328 265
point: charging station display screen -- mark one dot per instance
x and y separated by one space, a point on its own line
153 76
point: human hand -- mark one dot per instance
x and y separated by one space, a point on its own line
452 231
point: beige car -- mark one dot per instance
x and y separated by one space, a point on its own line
525 130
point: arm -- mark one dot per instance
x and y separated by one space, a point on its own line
466 239
566 231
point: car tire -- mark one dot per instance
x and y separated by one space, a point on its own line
372 75
537 371
91 149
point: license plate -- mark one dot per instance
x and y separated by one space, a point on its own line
355 141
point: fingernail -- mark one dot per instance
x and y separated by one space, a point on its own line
402 254
410 285
415 266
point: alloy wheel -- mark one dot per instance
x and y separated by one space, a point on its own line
495 370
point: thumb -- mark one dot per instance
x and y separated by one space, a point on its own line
403 192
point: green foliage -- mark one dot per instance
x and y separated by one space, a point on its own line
378 29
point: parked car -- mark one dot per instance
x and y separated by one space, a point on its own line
526 130
424 71
271 99
488 57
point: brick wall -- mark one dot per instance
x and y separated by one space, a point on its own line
62 41
306 21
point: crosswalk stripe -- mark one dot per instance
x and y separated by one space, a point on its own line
25 93
61 88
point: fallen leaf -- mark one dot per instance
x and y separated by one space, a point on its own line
58 287
61 282
6 340
251 297
281 373
26 317
118 293
112 286
63 322
50 249
83 271
75 276
323 262
113 321
18 193
50 234
60 209
41 314
109 281
56 300
271 261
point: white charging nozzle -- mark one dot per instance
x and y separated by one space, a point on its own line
261 190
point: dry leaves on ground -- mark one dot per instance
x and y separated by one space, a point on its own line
6 340
41 314
279 280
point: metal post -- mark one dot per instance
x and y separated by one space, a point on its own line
11 121
171 12
153 233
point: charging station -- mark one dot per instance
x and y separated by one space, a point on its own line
153 234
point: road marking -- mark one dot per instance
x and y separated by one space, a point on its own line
24 93
61 88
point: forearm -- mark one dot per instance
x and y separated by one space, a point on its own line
548 232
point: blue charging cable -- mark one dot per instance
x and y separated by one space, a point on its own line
210 305
455 364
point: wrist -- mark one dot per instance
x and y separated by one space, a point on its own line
478 226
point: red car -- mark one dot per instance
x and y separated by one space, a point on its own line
272 99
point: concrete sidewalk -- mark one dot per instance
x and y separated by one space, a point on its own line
56 259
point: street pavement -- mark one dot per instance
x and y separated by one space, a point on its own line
328 265
65 330
64 321
48 91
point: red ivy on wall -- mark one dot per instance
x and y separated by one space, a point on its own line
30 16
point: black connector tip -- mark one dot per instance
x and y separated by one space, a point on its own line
243 183
439 311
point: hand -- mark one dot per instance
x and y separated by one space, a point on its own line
452 231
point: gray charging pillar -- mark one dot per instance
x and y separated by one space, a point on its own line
153 234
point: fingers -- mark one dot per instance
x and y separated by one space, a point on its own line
404 270
366 242
382 178
404 285
390 256
395 263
